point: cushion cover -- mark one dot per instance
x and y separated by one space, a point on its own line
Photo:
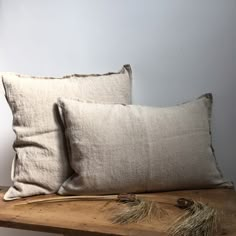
128 148
41 164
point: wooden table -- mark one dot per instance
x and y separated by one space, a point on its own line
93 217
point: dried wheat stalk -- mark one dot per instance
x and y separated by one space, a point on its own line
198 220
138 211
135 209
67 199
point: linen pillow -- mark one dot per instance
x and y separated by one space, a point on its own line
129 148
41 163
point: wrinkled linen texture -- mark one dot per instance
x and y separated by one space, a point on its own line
129 148
41 164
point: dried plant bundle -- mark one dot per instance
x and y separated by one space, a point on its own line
137 211
199 219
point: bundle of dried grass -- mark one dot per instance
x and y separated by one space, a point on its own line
138 210
198 220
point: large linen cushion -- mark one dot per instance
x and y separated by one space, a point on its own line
129 148
41 163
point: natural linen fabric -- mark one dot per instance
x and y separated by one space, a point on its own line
41 163
128 148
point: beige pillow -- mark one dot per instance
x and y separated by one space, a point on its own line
128 148
41 165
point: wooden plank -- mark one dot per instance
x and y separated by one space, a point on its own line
93 217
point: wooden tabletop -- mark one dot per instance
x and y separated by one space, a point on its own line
93 217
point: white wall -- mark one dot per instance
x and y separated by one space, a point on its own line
178 49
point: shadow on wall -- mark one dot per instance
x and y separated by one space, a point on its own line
7 137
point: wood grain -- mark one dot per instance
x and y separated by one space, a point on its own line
89 218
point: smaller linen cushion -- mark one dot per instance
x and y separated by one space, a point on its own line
129 148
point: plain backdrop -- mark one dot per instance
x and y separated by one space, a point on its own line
178 50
